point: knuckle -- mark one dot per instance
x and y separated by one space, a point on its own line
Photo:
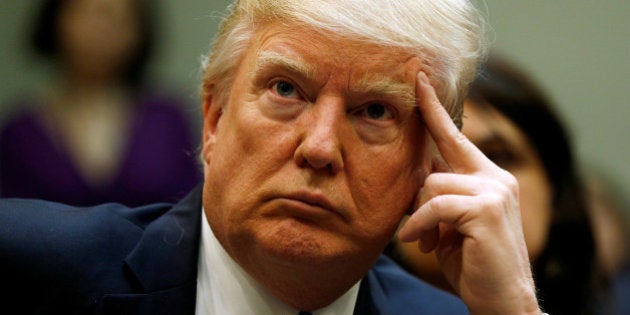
494 205
505 183
430 181
437 202
508 180
433 180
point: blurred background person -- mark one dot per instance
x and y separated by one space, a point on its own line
608 209
99 133
507 116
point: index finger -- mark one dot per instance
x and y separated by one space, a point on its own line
458 152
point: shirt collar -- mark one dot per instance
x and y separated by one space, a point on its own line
223 287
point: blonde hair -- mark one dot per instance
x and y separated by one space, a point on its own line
448 35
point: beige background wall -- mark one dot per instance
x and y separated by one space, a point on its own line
578 50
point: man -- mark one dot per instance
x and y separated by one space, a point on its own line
319 124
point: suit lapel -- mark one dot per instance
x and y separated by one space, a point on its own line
164 263
365 304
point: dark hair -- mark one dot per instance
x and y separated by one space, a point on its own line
565 273
45 38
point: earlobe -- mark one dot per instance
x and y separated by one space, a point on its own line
211 114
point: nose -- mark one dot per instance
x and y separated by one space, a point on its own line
320 147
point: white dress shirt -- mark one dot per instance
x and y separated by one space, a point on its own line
223 287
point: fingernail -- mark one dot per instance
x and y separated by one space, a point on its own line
423 77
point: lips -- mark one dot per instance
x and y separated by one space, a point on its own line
313 201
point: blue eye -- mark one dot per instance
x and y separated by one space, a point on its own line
285 89
377 111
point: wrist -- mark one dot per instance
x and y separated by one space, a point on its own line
523 301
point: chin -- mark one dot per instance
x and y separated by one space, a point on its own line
303 242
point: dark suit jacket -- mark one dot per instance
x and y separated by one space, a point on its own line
111 259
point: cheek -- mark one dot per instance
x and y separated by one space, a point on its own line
382 204
251 147
246 156
388 181
265 140
536 210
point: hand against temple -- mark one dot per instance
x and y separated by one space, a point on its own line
470 216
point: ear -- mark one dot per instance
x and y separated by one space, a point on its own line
212 112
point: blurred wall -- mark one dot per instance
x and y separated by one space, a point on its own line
578 50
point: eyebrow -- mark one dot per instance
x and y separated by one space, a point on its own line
383 86
268 59
493 139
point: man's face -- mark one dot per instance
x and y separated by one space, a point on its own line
318 152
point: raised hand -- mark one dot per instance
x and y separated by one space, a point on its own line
468 212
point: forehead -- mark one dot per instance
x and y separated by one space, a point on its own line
324 54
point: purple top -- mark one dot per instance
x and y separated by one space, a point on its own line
160 163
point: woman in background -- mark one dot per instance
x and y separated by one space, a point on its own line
97 134
511 121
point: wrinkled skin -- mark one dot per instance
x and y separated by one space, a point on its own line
319 152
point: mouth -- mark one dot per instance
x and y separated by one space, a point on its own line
309 205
